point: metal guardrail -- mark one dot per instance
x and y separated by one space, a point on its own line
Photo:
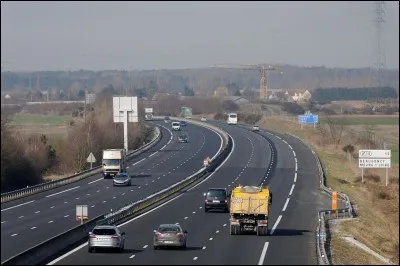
323 216
17 194
48 249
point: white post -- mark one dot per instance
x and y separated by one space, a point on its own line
126 131
387 169
91 164
362 175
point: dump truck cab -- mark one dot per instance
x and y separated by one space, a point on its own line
249 210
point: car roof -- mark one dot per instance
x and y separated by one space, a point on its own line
169 225
105 227
217 188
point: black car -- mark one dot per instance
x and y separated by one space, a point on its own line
216 199
183 138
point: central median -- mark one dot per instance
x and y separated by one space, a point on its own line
57 245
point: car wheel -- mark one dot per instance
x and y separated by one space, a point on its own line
122 249
184 246
90 250
206 210
156 247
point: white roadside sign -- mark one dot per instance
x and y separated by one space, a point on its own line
378 154
373 163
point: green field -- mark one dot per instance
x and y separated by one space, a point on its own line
363 120
50 120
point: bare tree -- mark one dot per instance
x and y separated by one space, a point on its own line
336 127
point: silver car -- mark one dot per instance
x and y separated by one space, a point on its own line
169 235
122 179
106 236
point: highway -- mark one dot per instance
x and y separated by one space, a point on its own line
29 221
293 179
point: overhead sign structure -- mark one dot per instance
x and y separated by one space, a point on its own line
90 98
82 213
125 110
90 159
186 112
374 159
307 118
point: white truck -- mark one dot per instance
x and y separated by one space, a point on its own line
114 161
148 114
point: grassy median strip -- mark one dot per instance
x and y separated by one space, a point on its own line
377 206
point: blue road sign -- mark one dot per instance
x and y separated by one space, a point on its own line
308 119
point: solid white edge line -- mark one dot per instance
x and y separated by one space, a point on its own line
17 205
276 224
135 218
62 192
286 203
263 253
291 190
163 147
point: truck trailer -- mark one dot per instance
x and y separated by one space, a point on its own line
114 161
249 210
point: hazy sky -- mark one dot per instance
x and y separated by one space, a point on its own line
154 35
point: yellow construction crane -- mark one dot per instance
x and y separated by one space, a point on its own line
263 68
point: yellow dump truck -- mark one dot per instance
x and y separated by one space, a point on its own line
249 209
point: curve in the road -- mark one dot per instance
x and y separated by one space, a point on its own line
291 240
51 213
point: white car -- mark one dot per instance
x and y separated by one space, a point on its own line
203 119
256 128
176 126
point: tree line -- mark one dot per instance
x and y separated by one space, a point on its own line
26 158
326 95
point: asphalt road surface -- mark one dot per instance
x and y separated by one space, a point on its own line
293 215
29 221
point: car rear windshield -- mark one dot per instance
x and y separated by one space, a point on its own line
216 193
232 116
175 123
104 232
121 176
169 229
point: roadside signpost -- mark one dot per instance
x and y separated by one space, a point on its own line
374 159
90 159
307 118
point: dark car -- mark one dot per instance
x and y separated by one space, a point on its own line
183 138
183 124
122 179
216 199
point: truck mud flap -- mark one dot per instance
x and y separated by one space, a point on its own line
235 230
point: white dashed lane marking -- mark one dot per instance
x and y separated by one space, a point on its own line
66 215
21 217
33 228
131 257
14 234
50 222
37 211
195 258
145 246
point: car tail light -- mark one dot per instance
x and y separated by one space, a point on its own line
115 236
262 222
226 201
158 234
92 236
205 200
179 234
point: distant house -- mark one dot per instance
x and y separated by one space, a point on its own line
159 95
299 95
237 99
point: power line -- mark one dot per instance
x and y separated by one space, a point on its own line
380 63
